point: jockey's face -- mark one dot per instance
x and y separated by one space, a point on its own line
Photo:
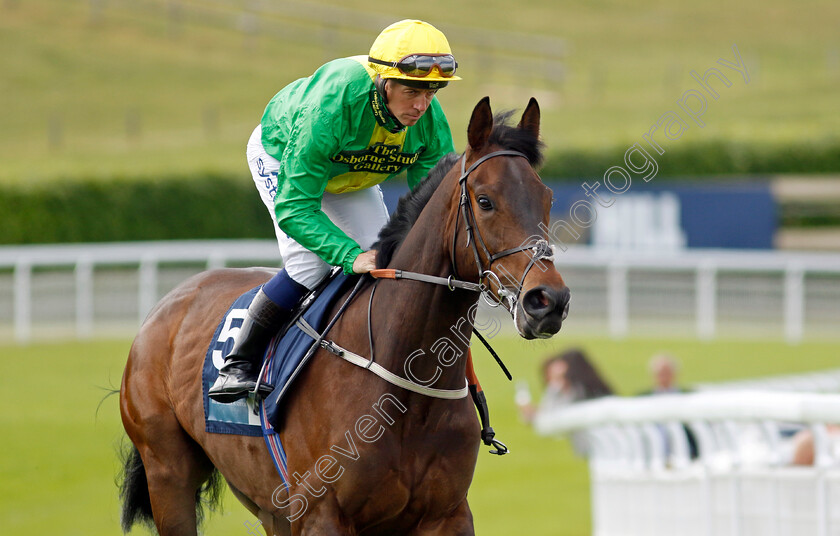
408 104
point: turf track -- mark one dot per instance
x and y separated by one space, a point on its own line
59 460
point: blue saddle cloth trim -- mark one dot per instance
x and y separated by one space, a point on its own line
286 354
275 449
283 356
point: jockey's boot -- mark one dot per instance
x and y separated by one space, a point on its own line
238 376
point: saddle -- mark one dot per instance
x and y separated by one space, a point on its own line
282 361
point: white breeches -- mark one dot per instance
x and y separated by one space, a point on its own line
360 214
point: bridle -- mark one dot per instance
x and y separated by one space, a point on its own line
538 250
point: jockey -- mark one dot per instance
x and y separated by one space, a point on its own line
322 147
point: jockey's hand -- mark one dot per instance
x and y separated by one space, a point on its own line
365 262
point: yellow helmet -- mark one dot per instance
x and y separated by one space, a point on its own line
414 51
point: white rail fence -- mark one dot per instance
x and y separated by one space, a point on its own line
705 293
93 289
89 290
643 481
824 381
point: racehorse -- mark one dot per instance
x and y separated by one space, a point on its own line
368 456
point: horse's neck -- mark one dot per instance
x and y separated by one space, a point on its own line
425 320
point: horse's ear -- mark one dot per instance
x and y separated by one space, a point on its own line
481 123
531 118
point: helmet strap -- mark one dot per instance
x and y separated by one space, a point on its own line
380 82
383 114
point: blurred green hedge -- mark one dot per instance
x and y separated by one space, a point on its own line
210 206
704 158
222 206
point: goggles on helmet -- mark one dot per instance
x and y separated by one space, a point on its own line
421 65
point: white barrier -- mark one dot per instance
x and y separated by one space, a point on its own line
643 481
87 289
705 292
824 381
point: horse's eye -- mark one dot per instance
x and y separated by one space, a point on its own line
485 203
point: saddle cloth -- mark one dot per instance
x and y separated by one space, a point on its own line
283 360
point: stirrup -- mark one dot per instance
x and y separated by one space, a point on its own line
259 392
488 437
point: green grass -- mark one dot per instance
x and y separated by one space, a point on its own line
194 91
59 461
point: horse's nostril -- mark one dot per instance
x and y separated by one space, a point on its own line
547 303
538 302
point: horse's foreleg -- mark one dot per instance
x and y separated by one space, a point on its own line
274 524
321 519
280 525
459 523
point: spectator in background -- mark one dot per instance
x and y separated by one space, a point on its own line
664 370
803 448
568 377
803 444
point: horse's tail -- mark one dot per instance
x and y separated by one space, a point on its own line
134 490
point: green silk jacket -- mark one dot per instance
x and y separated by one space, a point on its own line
331 133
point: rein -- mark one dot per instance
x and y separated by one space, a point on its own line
320 341
451 284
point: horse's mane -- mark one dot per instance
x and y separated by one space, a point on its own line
408 210
411 204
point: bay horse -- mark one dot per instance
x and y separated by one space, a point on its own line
367 457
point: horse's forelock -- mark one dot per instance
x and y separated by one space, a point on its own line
516 139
